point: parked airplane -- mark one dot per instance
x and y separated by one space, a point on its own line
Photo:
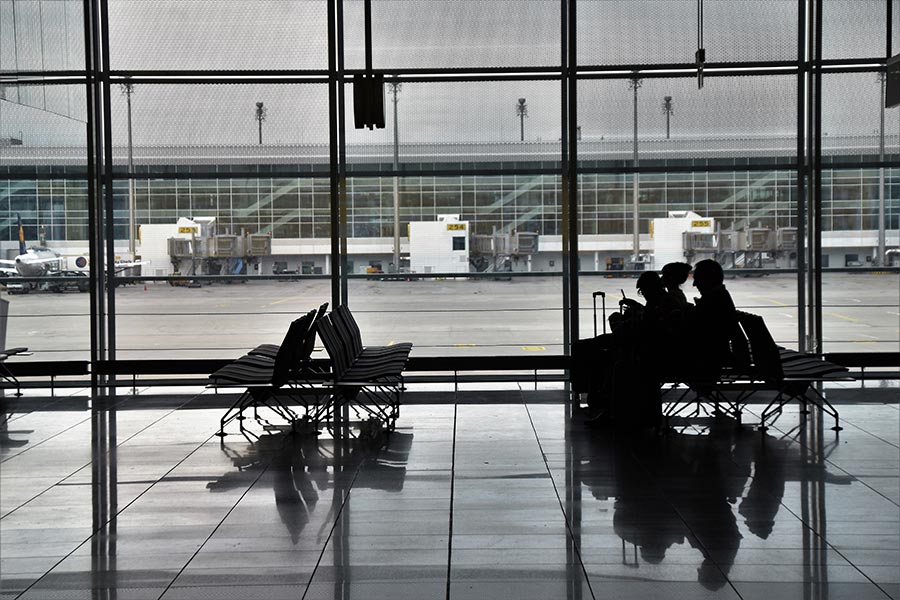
41 261
36 261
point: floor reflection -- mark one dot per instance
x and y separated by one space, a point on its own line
487 501
303 465
694 489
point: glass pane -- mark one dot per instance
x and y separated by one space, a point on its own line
216 128
851 117
46 285
41 35
773 297
454 33
218 34
43 150
851 201
461 126
741 219
645 32
501 316
732 120
157 320
244 231
486 204
859 310
853 28
895 27
42 127
452 227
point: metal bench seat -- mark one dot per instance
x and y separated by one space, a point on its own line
761 365
275 383
369 385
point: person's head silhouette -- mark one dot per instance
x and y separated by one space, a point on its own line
650 286
674 274
708 276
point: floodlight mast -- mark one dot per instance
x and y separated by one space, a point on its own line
881 195
394 87
127 89
260 116
669 111
522 111
634 83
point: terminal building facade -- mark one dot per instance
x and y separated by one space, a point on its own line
510 187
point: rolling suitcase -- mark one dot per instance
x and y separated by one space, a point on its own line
603 302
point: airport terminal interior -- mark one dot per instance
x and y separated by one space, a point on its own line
194 196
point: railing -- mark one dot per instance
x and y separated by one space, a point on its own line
55 375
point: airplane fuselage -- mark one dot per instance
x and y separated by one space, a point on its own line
37 262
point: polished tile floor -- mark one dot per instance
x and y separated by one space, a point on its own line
507 499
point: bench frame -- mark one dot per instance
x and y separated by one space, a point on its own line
376 373
790 374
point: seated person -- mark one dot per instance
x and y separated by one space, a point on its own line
673 275
713 322
642 340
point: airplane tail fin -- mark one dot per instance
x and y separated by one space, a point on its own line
22 248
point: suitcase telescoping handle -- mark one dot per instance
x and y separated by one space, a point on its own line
603 300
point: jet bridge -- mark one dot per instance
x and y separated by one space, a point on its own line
503 252
198 249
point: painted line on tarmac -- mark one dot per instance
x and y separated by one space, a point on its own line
844 317
283 300
533 348
778 302
463 345
871 337
788 315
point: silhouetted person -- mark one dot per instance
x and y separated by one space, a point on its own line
674 274
656 310
595 358
624 369
713 322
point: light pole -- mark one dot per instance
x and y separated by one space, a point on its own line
260 116
394 87
127 89
669 111
634 83
881 202
522 111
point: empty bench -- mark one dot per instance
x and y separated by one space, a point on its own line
368 380
280 378
284 379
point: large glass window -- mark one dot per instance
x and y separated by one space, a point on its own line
223 172
43 193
